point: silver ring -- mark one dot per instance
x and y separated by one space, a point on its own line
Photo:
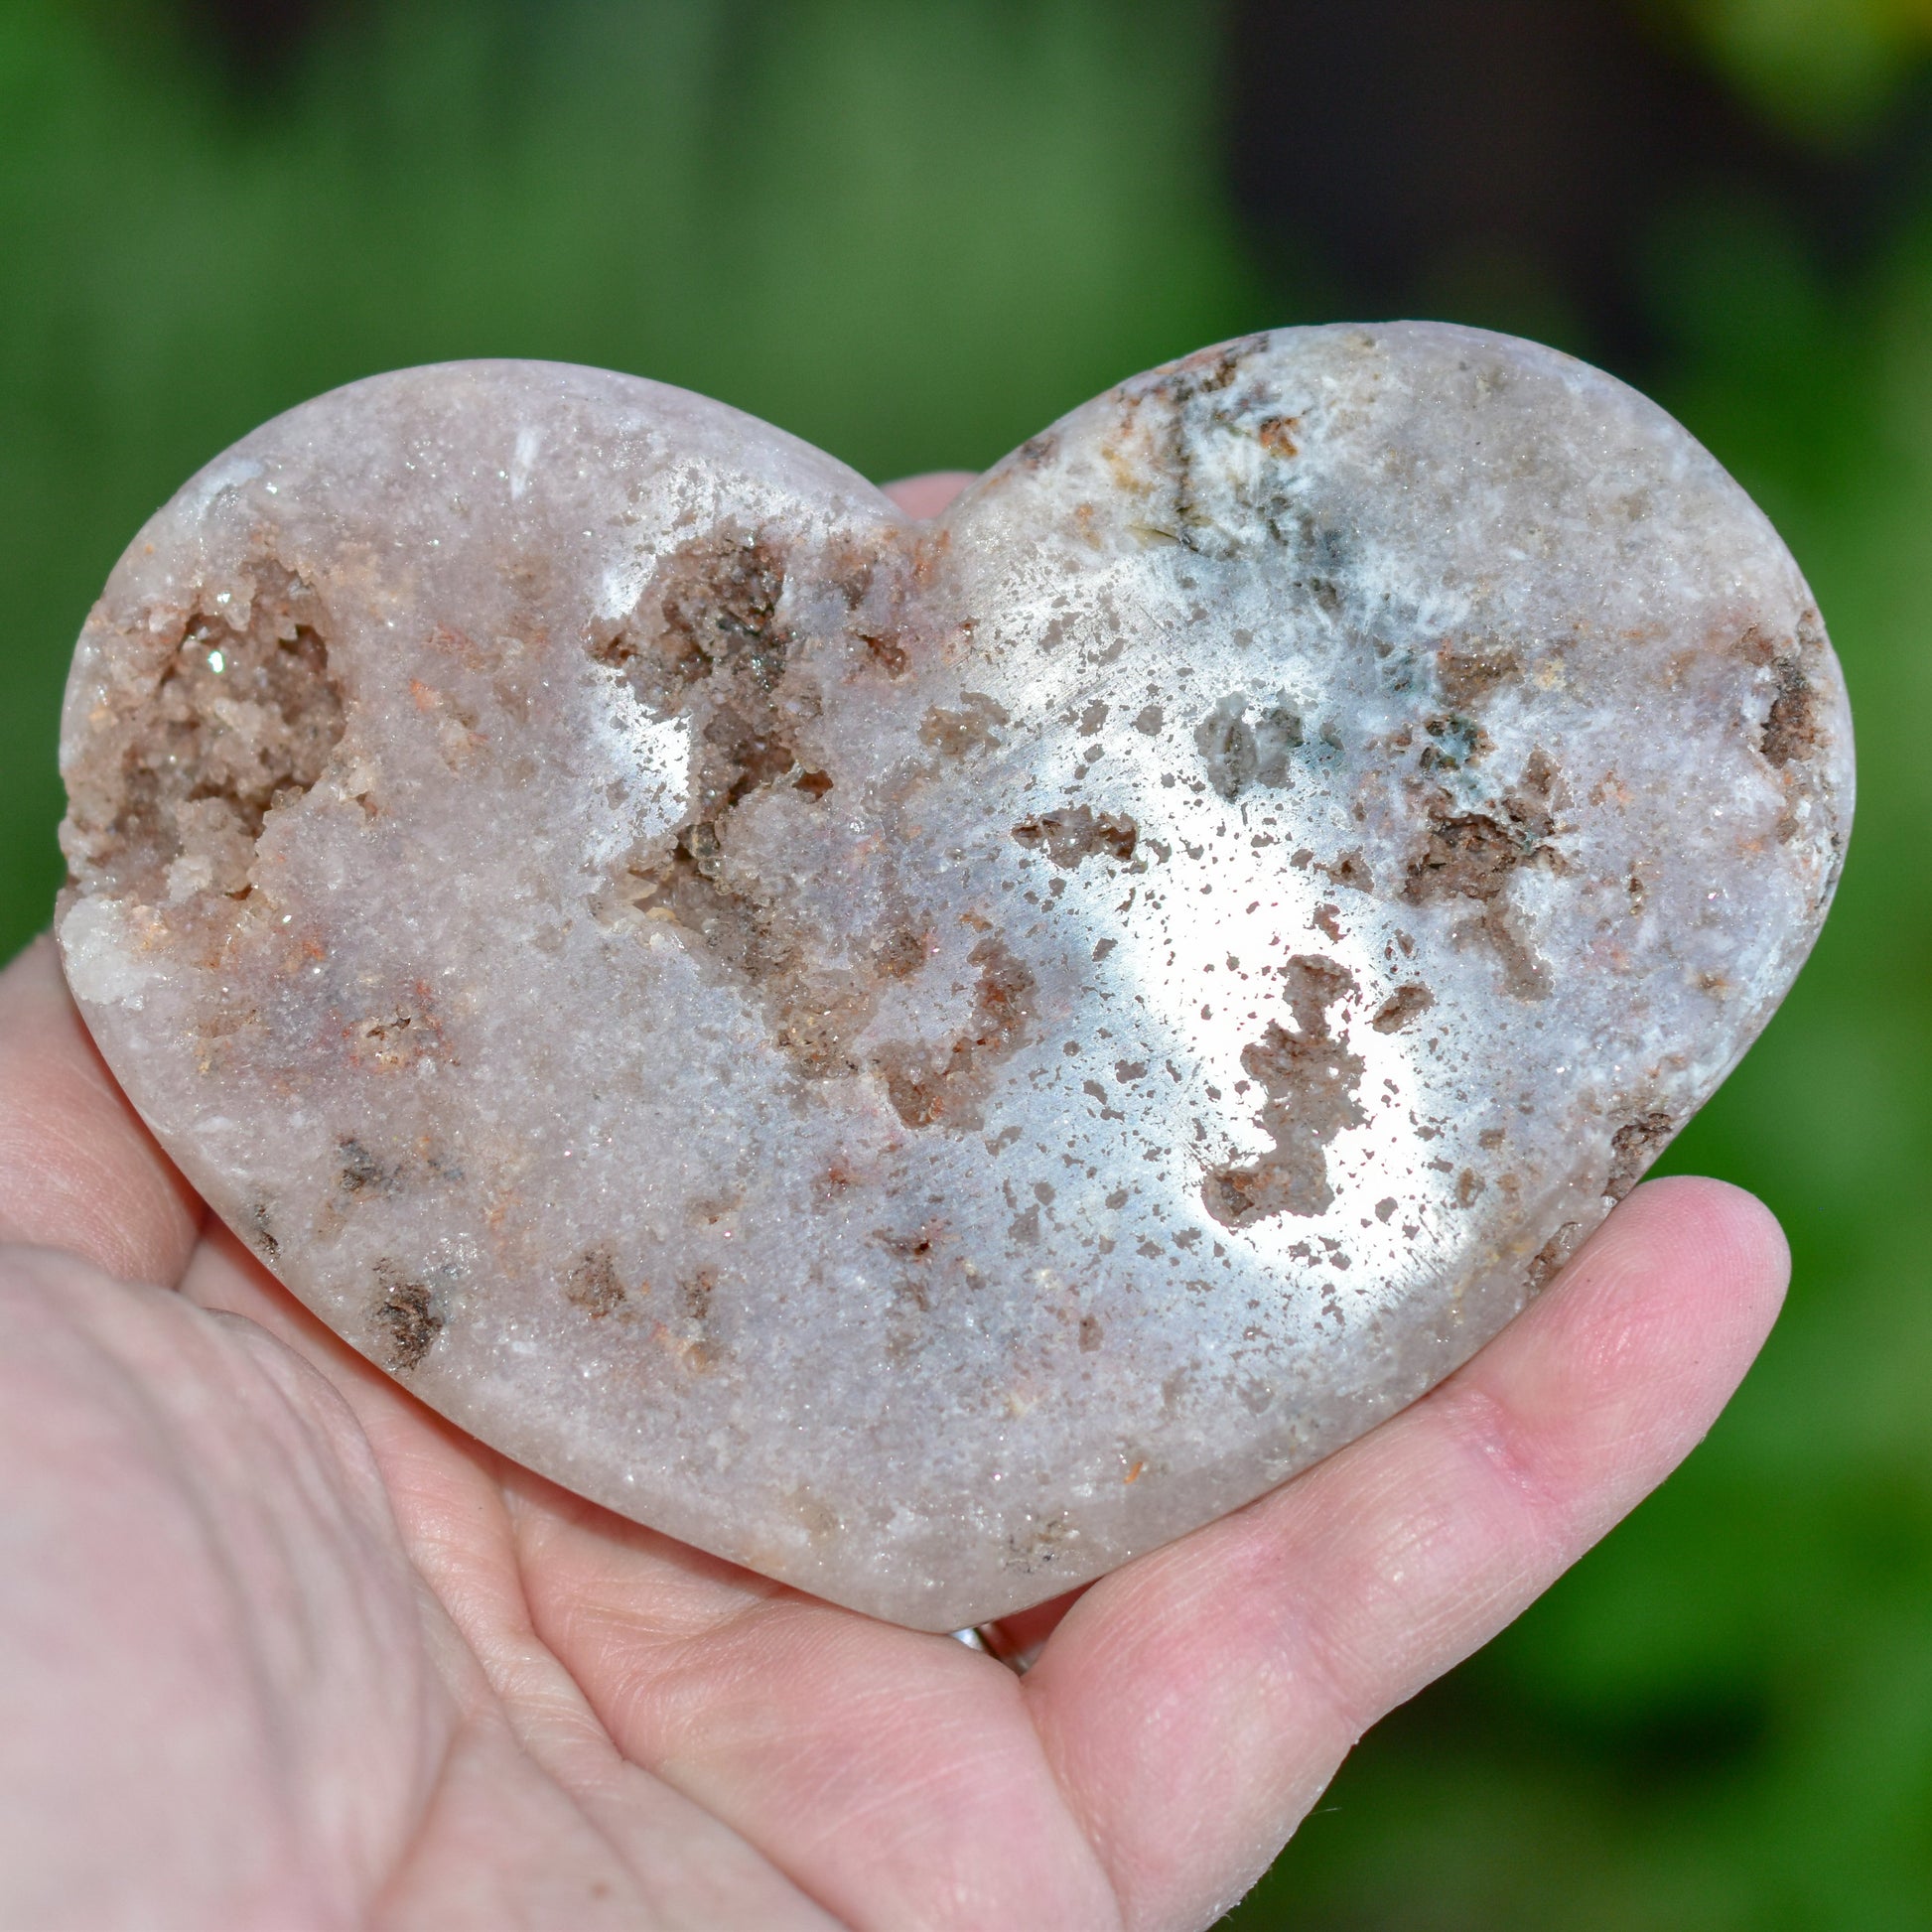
986 1639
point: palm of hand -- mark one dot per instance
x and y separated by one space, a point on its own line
278 1646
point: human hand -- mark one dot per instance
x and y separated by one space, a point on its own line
278 1646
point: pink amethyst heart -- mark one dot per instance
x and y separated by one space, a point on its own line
929 1058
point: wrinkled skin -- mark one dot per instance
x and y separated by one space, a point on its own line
280 1647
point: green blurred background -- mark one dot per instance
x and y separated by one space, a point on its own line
915 233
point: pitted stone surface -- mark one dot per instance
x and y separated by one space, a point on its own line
929 1058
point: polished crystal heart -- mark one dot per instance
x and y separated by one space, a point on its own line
928 1058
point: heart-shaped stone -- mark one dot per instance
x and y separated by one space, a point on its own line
929 1058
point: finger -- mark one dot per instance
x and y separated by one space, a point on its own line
927 495
1195 1702
78 1169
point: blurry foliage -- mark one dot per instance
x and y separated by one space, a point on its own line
1825 69
915 234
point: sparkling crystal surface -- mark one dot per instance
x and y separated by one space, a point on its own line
929 1058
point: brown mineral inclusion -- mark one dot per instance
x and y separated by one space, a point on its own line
928 1058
